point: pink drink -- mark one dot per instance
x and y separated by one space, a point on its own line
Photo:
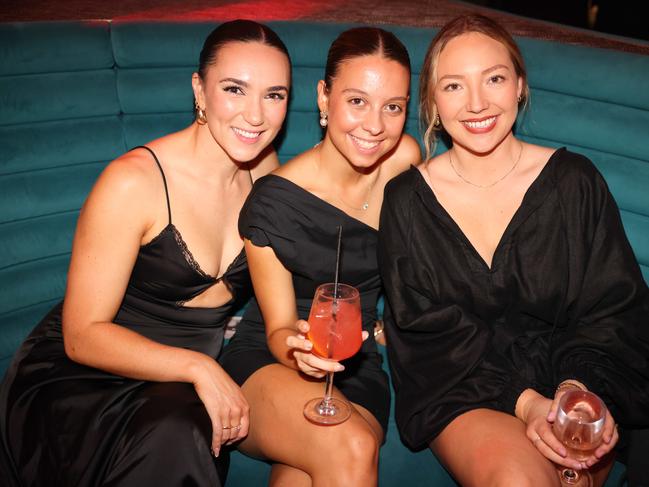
580 423
338 338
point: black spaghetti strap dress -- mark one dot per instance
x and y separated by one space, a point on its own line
302 230
66 424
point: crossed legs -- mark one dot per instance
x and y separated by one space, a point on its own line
306 454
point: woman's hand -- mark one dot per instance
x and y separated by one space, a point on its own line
225 404
533 409
306 361
610 435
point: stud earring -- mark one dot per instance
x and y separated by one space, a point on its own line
323 119
520 98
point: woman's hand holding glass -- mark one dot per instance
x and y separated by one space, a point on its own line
609 434
540 413
308 362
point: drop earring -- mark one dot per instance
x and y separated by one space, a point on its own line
323 119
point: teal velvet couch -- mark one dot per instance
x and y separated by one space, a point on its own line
75 95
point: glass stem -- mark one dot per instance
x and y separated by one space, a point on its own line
329 387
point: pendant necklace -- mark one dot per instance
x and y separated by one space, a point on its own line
366 203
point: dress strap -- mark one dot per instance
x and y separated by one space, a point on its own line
164 179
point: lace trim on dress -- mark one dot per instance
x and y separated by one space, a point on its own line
188 255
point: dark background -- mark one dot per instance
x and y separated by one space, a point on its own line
621 17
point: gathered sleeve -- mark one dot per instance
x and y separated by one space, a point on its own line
441 356
605 342
268 219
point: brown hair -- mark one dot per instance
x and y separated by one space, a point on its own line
456 27
364 41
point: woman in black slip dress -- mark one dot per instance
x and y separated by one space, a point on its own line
119 385
290 225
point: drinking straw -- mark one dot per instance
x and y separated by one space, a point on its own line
334 304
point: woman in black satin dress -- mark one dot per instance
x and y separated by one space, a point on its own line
119 384
509 278
290 224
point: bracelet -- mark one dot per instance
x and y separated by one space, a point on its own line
569 384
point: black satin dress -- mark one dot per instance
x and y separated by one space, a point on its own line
302 230
65 424
563 298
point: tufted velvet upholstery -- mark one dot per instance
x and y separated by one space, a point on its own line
75 95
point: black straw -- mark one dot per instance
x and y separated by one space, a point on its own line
340 235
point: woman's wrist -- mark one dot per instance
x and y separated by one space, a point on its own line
196 369
523 403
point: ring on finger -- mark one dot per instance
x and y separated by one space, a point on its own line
236 428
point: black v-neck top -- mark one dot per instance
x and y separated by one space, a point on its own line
564 298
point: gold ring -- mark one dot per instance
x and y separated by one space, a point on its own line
237 427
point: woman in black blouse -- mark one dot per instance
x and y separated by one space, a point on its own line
509 279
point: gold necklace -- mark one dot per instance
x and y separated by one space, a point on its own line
520 153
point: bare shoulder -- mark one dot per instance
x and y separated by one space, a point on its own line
295 169
130 174
125 192
406 153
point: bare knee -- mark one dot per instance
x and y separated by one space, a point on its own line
356 455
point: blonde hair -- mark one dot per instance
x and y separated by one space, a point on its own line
460 25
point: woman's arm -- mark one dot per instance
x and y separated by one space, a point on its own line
275 294
109 233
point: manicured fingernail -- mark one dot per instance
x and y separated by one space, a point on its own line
308 346
339 368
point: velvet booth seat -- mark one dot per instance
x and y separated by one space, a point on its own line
74 95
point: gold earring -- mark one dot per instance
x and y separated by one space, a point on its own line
323 119
437 122
201 114
520 98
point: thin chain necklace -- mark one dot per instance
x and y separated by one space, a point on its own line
366 203
520 153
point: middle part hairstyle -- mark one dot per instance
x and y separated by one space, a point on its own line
364 41
463 24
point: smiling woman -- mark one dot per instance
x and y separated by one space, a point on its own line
290 224
119 383
242 111
509 279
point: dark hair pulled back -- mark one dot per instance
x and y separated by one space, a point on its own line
364 41
237 31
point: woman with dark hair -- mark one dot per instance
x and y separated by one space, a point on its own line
509 278
119 384
290 224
